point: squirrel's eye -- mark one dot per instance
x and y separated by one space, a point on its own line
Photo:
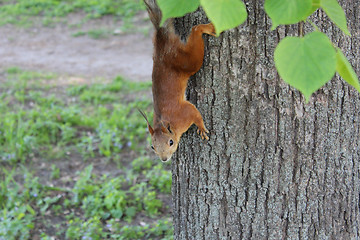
171 142
152 147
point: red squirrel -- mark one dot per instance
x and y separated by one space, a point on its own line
174 62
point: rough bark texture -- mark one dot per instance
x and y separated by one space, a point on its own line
275 167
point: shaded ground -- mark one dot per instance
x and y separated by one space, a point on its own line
55 49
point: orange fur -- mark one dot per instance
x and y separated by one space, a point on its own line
174 62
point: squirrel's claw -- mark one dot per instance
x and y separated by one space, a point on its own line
213 34
210 29
203 134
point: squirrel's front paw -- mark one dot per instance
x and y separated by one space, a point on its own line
203 133
210 29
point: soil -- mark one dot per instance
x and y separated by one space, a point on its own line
55 49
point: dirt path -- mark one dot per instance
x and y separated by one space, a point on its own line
56 50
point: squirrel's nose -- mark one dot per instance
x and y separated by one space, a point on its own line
164 159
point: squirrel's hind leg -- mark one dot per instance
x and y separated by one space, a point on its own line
190 55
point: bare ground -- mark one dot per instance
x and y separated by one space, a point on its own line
54 49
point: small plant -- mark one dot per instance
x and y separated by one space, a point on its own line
82 186
16 223
17 215
90 229
160 179
55 172
47 133
132 232
152 205
98 33
142 163
78 34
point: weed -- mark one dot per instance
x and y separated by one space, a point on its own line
94 33
160 179
152 205
16 223
98 33
142 163
113 128
22 76
111 200
17 216
79 34
55 172
90 229
161 228
38 128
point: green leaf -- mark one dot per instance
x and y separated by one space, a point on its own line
225 14
315 6
20 216
343 67
306 63
117 213
176 8
130 211
287 11
335 13
30 209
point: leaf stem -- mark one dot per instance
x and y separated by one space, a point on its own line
301 28
317 5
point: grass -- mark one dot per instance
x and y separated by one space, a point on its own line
22 12
34 120
94 33
74 161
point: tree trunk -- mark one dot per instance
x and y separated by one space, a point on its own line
274 167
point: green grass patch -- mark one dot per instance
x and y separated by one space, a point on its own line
94 33
34 121
108 204
21 11
44 128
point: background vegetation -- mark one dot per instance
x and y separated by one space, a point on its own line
74 159
20 11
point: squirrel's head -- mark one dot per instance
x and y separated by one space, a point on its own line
164 140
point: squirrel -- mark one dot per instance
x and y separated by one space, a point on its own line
174 61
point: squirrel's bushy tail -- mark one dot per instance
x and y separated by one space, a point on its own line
155 15
154 12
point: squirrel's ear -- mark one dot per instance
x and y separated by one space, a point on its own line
151 130
163 129
169 129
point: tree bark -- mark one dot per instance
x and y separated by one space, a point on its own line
274 167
